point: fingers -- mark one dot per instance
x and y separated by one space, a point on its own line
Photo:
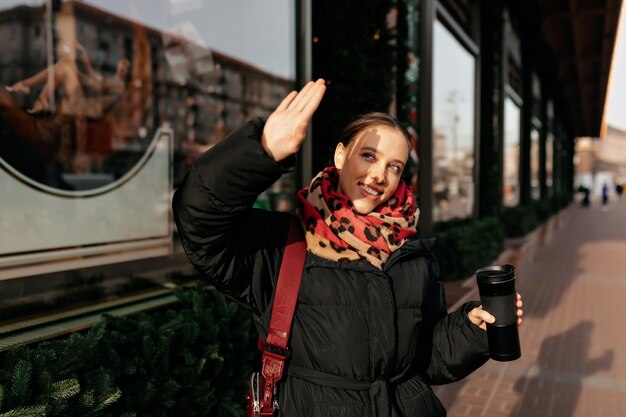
309 97
485 316
479 317
314 91
520 313
300 96
287 101
314 100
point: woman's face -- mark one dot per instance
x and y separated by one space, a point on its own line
371 166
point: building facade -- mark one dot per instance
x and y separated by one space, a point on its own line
107 104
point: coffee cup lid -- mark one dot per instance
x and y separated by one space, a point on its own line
496 273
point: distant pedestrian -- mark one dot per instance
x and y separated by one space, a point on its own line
619 190
605 194
586 202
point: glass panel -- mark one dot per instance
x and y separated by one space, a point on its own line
537 123
512 129
104 106
453 127
550 148
550 163
535 190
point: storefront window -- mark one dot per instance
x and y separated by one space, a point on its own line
535 189
511 154
550 163
537 123
453 127
105 108
550 149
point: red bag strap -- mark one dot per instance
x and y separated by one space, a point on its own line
287 286
283 308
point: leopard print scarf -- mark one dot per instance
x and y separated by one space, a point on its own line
336 231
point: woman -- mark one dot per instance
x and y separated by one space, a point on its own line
370 330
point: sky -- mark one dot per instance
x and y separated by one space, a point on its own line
263 36
616 105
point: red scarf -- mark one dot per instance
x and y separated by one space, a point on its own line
336 231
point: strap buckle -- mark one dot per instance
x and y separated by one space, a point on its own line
272 371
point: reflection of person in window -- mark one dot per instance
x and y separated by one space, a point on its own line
88 136
66 74
47 142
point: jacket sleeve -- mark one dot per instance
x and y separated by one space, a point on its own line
458 346
236 248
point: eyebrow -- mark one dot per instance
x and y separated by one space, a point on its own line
371 148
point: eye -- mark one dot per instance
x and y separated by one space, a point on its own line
396 168
368 156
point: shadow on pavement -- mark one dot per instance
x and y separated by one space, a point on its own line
553 387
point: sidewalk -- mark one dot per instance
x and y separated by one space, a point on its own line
573 338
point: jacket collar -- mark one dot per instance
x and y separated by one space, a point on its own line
415 247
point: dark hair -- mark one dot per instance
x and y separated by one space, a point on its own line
371 119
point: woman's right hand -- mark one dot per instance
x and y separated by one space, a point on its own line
286 127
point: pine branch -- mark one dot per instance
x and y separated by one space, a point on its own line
105 402
20 381
87 399
31 411
65 389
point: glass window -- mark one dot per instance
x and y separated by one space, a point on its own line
453 127
550 148
550 163
102 125
535 190
537 122
512 131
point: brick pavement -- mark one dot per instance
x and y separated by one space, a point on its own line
573 338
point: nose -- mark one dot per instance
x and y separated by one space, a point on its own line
378 173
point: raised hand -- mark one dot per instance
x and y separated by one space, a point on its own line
285 129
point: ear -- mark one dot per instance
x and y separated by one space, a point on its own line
340 155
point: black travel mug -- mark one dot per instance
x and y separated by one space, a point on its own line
496 285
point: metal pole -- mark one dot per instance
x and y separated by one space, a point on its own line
304 34
50 57
426 123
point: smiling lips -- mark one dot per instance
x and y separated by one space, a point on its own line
369 191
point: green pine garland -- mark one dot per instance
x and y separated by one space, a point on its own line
193 362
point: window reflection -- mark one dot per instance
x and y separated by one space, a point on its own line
84 114
550 163
535 190
537 123
550 148
512 131
453 127
85 88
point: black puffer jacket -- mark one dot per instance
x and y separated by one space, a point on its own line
364 342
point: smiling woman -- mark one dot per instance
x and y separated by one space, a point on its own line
382 146
369 292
